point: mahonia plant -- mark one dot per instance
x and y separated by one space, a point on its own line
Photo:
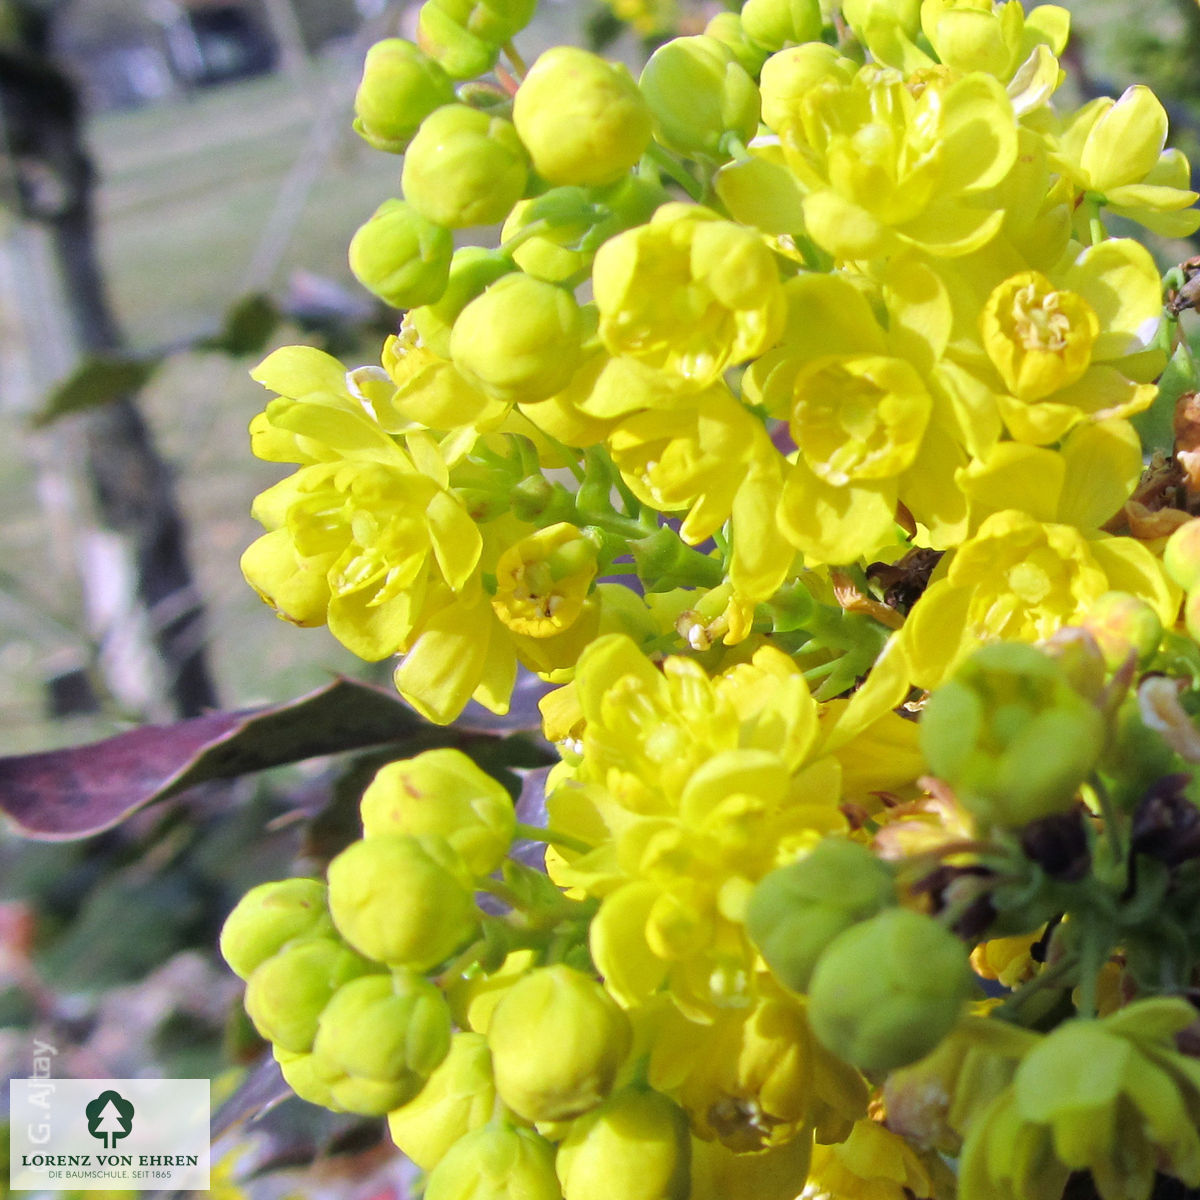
789 427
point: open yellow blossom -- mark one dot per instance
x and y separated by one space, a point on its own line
886 163
1113 150
875 1164
726 301
866 408
542 581
1019 579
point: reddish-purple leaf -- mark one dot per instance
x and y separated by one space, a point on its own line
59 795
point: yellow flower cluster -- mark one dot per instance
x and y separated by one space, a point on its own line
790 428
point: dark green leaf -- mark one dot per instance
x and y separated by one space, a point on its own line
249 323
99 379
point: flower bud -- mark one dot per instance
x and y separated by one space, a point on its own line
726 27
1010 735
442 792
300 1072
520 340
460 53
471 270
495 1163
400 900
457 1099
400 256
581 118
698 92
1191 613
790 74
553 254
286 994
797 910
543 580
389 1031
1181 555
561 1008
268 917
494 21
778 23
464 168
887 990
635 1145
1123 624
401 86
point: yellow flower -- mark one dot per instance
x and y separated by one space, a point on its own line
726 301
873 1163
1075 350
886 163
865 408
688 789
753 1078
1019 579
1113 149
543 580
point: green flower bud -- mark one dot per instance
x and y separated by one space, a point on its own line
443 792
797 910
494 21
496 1163
458 1098
1011 736
520 340
400 256
726 27
560 1008
1122 623
462 54
1181 555
401 86
400 900
471 270
698 92
778 23
268 917
551 255
301 1074
286 994
389 1030
878 22
581 118
464 168
886 991
635 1145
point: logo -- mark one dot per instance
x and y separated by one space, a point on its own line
137 1135
109 1118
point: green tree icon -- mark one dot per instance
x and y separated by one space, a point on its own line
109 1117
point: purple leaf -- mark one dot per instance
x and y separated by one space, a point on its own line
75 792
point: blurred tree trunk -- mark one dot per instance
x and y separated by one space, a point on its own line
132 487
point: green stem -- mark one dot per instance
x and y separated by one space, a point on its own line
613 522
1112 820
675 170
501 890
518 63
1044 979
552 837
532 230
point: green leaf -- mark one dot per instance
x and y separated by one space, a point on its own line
249 323
99 379
1154 426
